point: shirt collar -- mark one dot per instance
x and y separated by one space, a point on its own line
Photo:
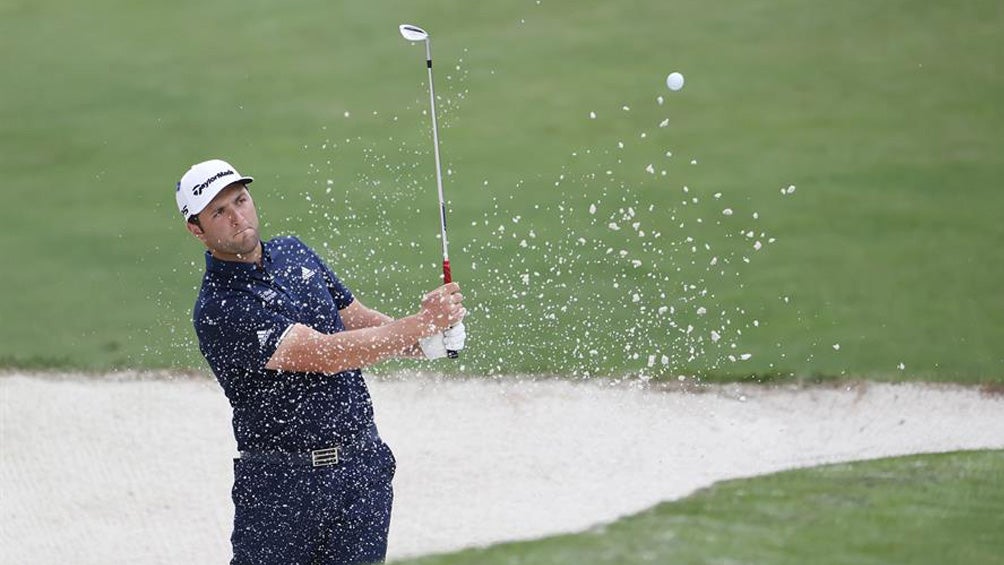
238 268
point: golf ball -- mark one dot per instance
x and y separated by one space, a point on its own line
674 81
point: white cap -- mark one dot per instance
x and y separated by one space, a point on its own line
202 183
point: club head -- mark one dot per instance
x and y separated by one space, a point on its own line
413 33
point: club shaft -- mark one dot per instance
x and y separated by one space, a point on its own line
439 165
447 275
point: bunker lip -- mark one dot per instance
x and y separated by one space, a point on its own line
480 460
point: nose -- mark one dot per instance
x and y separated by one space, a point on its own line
236 217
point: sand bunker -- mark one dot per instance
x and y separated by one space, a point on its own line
137 470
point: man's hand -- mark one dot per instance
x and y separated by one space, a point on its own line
455 337
433 347
443 307
436 346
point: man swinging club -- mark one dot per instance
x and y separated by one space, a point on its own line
287 341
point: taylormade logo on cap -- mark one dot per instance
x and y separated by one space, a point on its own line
202 183
197 191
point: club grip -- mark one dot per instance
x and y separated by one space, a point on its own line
448 278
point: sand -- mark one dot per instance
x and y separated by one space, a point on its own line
137 468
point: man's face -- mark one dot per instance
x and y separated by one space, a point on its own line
229 224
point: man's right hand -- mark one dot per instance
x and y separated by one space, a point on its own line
443 308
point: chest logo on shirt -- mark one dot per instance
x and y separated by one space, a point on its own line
268 295
263 336
306 273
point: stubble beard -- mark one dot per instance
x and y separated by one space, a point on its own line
242 245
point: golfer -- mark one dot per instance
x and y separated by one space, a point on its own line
287 340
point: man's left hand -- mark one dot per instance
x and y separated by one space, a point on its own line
436 346
455 337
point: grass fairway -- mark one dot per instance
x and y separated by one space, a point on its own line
925 509
586 245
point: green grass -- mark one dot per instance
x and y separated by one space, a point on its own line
886 117
925 509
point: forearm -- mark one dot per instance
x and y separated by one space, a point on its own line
358 316
412 352
306 350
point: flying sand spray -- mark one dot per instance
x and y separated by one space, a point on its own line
415 33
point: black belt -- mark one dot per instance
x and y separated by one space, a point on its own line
322 457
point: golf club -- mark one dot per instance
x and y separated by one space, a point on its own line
415 33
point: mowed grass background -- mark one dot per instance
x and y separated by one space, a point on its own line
586 245
930 509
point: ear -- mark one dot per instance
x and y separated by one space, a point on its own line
195 230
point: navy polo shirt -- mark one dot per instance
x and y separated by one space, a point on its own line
242 312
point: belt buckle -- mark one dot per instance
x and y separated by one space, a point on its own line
324 457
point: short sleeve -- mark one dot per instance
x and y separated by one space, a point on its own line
239 331
339 292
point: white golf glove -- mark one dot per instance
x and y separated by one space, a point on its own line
436 346
455 337
433 346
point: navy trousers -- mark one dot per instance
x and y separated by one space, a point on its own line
292 513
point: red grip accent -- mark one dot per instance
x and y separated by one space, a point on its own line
448 278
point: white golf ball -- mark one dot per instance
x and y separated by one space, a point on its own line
674 81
